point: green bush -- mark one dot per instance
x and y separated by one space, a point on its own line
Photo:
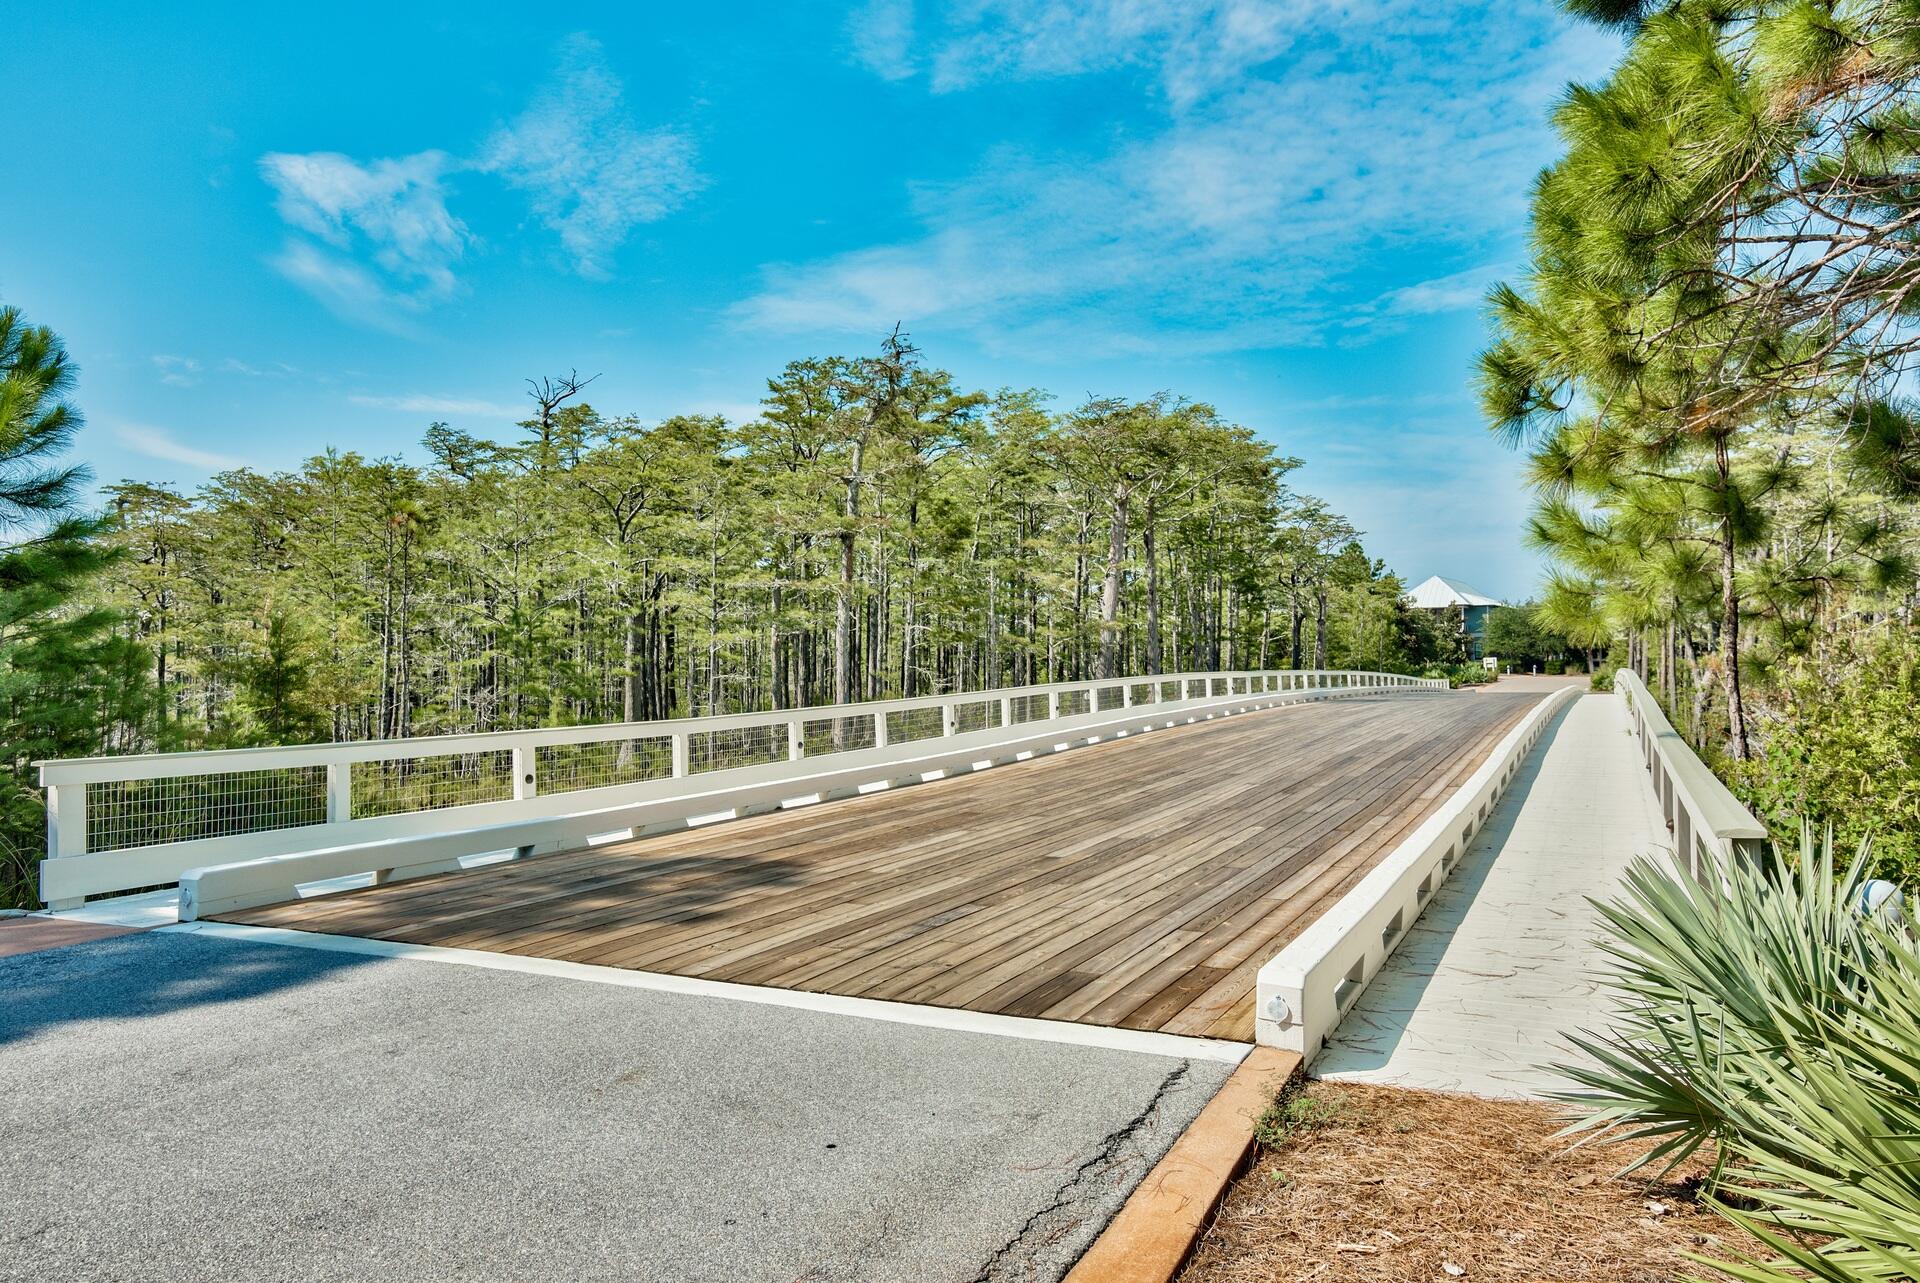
1764 1015
1838 743
1602 680
1573 668
1458 675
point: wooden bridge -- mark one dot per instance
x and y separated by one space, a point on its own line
1228 856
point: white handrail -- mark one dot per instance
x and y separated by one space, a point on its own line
114 823
1702 813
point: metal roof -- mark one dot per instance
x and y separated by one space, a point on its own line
1437 594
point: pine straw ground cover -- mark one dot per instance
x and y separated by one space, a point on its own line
1384 1185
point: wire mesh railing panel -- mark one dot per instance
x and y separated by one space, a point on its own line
1027 708
1197 688
565 768
401 785
1238 685
979 715
904 725
1145 692
836 734
736 746
1074 703
1219 686
1171 690
1110 697
129 813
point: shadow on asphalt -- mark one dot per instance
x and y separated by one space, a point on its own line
142 976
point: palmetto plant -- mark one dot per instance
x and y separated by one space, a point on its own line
1764 1015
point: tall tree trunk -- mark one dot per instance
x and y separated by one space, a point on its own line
1110 586
1730 612
1149 545
843 603
1320 627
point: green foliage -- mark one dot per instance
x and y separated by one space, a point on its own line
1601 680
875 531
1764 1015
1302 1107
1841 747
1522 639
70 684
1458 675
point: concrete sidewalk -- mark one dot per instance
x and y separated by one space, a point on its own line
1478 995
183 1107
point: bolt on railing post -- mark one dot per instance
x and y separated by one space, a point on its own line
339 792
526 781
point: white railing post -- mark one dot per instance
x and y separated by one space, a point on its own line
339 792
66 820
879 728
796 740
1006 711
1053 706
680 755
950 718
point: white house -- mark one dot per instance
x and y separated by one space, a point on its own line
1442 594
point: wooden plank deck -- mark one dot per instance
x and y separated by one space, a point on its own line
1139 883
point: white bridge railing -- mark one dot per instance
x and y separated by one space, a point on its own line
1703 814
117 823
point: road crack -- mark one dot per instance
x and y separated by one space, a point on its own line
1060 1215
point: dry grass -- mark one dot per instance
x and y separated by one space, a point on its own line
1384 1185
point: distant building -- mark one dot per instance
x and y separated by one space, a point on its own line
1443 594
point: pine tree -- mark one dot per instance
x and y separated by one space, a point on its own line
69 684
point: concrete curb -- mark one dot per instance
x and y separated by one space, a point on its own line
1154 1233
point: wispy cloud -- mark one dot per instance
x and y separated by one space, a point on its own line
880 33
176 371
159 443
414 403
392 210
1296 145
591 175
377 241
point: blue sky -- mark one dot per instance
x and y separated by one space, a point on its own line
263 233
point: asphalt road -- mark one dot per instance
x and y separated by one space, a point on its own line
179 1107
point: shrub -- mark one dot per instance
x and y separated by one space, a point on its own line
1602 680
1763 1014
1572 668
1458 675
1838 744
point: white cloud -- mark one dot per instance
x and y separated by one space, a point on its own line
377 242
1456 293
395 208
348 289
880 33
1287 148
417 404
159 443
590 174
